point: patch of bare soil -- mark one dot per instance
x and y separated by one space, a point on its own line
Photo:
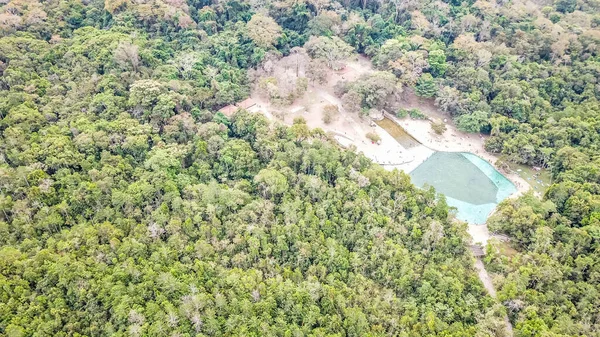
425 105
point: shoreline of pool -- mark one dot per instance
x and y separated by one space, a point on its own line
473 145
435 143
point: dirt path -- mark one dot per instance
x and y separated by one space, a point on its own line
489 286
480 234
350 130
485 277
454 140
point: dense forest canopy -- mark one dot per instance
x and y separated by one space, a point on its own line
129 207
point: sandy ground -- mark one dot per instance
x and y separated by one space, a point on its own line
489 286
419 153
452 140
485 277
350 129
480 234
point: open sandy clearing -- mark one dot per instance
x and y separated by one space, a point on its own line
350 130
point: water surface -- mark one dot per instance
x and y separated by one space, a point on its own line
469 183
406 140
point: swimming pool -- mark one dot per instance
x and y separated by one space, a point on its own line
469 183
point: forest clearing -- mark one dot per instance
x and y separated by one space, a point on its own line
141 194
349 129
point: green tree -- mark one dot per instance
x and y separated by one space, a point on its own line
426 86
473 122
437 62
271 183
332 50
263 30
330 112
566 6
438 127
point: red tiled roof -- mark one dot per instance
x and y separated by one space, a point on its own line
228 110
231 108
245 104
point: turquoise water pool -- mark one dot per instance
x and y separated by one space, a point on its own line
469 183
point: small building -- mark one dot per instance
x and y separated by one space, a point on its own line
232 108
477 251
228 110
246 104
